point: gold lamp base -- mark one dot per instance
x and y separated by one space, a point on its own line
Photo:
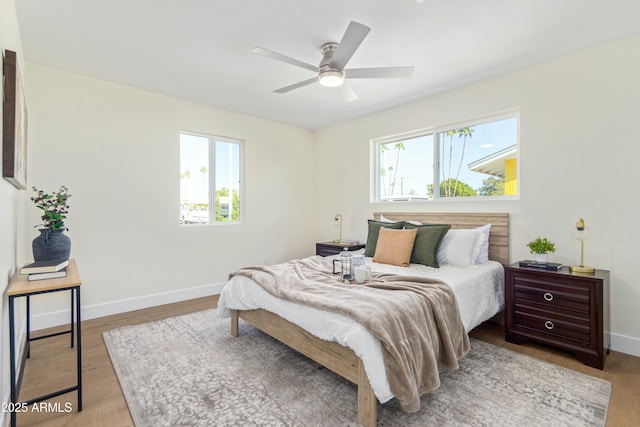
581 269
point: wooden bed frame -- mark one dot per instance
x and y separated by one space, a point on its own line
342 360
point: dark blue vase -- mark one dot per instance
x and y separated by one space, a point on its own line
51 245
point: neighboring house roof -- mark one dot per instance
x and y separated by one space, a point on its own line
493 164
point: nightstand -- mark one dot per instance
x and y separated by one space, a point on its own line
559 308
330 248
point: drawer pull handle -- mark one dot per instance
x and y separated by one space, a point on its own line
549 324
548 296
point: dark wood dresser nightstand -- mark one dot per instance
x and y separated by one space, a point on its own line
330 248
559 308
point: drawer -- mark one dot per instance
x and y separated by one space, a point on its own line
554 294
325 252
552 322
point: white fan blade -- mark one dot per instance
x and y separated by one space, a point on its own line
382 72
350 42
346 93
296 85
280 57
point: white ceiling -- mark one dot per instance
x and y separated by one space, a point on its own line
200 50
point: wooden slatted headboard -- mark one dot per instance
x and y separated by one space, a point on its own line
498 236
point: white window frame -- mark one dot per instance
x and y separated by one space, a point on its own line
375 165
375 189
212 139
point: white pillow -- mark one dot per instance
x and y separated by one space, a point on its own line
460 247
390 221
483 255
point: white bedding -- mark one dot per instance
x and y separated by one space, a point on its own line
479 290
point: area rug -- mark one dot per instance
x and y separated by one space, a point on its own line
189 371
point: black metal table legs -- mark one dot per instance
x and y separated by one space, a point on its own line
17 370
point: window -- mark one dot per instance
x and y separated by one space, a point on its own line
209 162
476 158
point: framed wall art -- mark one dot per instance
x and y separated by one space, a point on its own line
14 124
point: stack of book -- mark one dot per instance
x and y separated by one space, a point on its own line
542 266
40 270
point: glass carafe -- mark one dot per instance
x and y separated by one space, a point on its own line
345 265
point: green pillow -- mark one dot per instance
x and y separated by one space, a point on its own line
425 248
374 230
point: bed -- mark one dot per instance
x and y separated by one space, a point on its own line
301 328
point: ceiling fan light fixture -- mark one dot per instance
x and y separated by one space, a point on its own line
335 57
331 78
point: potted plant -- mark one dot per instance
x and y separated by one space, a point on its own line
541 247
52 243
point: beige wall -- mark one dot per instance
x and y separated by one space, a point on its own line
117 150
11 209
580 144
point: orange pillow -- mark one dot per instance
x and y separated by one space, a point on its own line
394 246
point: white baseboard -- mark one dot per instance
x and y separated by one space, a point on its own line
620 343
57 318
625 344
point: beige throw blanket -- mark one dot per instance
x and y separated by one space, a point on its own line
415 318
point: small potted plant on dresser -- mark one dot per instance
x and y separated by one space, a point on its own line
540 248
52 244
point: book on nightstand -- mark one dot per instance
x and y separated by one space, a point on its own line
51 275
44 266
349 242
551 266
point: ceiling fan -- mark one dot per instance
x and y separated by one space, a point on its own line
335 56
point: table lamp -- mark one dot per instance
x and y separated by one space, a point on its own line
338 217
581 236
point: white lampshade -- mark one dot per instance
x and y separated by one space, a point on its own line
331 78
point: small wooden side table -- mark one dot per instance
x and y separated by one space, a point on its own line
19 287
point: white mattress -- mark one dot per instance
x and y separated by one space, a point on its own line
479 290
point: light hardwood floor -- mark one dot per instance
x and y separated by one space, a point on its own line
52 366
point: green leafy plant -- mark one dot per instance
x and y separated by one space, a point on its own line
541 245
54 207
